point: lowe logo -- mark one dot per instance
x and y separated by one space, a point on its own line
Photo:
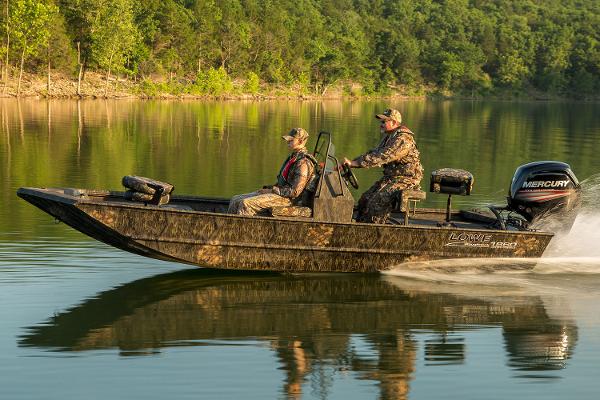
545 184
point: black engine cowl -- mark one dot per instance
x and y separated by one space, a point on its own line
543 187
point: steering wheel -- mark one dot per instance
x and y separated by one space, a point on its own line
349 176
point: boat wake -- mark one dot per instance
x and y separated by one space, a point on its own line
574 252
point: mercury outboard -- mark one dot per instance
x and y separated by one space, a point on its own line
541 189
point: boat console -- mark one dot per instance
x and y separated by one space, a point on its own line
333 201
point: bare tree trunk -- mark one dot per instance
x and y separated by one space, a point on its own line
106 84
48 82
108 75
80 69
79 80
21 71
7 49
223 55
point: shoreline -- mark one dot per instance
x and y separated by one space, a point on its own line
94 87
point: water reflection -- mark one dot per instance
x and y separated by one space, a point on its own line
223 148
317 326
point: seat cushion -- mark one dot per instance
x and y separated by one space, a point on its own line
291 211
410 194
451 181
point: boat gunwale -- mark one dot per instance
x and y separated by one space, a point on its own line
51 194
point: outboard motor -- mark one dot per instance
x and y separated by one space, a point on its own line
542 188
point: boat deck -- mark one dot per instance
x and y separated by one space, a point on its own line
426 217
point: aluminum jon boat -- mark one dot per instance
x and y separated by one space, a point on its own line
324 237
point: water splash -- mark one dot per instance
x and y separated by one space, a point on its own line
583 240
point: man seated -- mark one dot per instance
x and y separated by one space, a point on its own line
397 153
296 178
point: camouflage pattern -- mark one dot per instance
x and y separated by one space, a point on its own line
390 114
397 153
144 197
206 237
291 211
145 185
301 176
286 192
451 181
296 133
255 203
375 205
410 195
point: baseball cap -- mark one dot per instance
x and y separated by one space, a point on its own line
390 114
296 133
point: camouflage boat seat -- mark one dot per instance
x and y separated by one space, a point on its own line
147 190
408 198
291 211
451 181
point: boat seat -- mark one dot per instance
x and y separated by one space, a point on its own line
291 211
407 198
451 181
147 190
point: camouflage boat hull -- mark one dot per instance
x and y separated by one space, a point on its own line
195 230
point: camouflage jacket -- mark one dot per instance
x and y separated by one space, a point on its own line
300 176
397 153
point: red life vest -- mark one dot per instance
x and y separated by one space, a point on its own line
286 169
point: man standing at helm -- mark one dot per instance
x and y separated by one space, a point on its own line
295 178
397 153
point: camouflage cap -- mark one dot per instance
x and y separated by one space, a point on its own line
390 114
296 133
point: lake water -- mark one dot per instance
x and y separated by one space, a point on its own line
81 320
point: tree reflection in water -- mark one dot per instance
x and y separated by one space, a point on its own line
312 323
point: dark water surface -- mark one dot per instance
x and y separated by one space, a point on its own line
81 320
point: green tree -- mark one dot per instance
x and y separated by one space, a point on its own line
113 35
30 28
515 52
81 16
167 29
59 52
554 49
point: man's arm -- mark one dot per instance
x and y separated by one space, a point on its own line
393 151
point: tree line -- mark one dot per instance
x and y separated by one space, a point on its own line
379 46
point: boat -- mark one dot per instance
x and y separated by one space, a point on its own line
324 237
